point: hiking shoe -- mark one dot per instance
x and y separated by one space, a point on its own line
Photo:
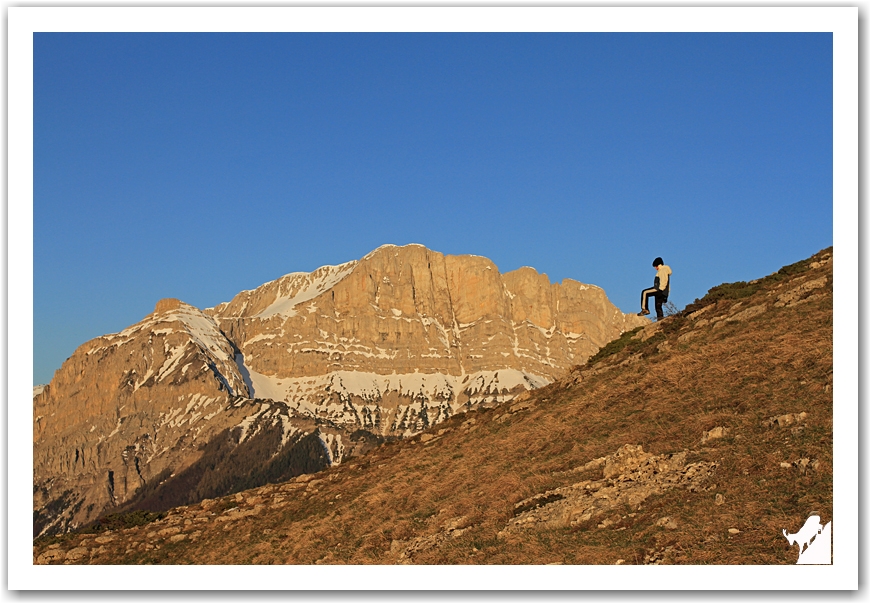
643 313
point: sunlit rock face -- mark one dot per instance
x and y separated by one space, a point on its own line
411 323
298 374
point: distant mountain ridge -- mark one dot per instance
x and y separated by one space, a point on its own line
188 404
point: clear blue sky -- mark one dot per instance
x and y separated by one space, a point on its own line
197 165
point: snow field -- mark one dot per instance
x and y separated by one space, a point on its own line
300 287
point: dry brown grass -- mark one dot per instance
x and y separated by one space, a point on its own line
738 375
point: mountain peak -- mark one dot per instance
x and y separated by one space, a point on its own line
293 371
399 248
168 304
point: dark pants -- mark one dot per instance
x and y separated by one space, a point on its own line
661 298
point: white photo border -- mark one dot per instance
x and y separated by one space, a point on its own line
22 22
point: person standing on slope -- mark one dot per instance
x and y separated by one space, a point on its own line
660 290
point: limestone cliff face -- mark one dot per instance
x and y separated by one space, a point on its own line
190 403
406 336
407 309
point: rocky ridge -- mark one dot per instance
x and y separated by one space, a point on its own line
629 477
297 375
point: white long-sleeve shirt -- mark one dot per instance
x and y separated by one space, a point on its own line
663 274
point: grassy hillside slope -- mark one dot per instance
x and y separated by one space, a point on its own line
693 440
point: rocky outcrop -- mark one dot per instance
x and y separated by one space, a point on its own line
381 347
629 476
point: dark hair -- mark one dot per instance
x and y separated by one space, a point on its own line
657 262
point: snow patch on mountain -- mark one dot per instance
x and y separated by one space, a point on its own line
248 421
386 246
333 446
259 385
487 386
300 287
